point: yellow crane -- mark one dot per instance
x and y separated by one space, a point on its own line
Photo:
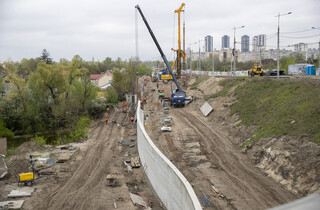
180 53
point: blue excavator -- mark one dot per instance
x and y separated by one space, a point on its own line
178 96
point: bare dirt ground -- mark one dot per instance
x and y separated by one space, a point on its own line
205 150
80 183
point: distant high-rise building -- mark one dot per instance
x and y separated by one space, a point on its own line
245 43
225 42
208 43
301 47
259 43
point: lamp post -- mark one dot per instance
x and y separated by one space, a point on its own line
278 41
199 64
234 49
190 60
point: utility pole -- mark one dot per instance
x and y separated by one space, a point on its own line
278 42
212 64
234 50
199 67
190 62
278 47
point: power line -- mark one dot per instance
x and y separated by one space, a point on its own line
300 37
293 32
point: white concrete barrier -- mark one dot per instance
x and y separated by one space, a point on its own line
173 189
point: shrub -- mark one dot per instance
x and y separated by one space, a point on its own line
40 140
81 129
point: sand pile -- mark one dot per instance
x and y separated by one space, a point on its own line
27 147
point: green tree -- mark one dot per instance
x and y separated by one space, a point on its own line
4 131
1 87
299 58
45 57
48 86
119 83
285 62
111 96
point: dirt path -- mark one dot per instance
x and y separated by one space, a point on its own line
240 182
85 185
78 192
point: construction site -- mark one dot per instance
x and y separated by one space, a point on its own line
176 144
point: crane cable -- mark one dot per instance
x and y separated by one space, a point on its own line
136 28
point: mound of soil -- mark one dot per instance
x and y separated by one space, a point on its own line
210 86
27 147
293 162
17 165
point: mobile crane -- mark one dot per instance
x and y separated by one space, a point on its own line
178 96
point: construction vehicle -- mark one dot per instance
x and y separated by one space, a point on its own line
28 178
178 95
257 70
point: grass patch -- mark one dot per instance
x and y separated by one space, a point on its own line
279 107
198 81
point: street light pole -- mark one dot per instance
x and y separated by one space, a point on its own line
278 42
234 50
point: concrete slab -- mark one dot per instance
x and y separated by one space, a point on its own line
3 168
21 192
206 109
136 199
11 204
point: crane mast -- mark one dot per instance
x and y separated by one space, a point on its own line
180 53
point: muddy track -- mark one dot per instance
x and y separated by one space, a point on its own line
76 192
240 181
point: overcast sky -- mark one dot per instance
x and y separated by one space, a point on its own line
106 28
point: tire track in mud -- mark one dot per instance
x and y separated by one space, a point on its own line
89 175
248 184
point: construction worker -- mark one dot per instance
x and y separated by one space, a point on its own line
108 110
131 119
157 85
106 119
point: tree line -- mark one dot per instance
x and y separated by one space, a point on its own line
47 96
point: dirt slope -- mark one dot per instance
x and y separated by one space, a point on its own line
208 155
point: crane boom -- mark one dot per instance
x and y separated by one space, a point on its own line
159 48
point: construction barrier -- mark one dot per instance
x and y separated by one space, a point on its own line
216 73
173 189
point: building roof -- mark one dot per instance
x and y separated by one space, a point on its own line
95 76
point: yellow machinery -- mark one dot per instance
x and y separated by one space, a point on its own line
257 70
27 178
180 53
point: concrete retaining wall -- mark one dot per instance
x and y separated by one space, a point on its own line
173 189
